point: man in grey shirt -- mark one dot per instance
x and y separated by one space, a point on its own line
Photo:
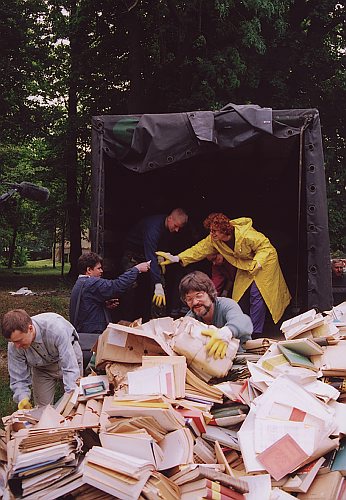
199 293
42 349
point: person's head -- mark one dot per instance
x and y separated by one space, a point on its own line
198 292
219 225
216 259
176 220
90 264
337 267
17 327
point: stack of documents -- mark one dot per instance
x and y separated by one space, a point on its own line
40 458
118 474
179 366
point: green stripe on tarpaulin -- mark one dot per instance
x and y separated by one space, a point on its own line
123 133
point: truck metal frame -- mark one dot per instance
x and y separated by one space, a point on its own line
243 160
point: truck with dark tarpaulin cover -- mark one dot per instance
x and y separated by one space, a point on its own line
244 161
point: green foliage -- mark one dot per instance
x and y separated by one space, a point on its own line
77 59
20 257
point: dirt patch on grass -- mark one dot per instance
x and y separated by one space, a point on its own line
53 294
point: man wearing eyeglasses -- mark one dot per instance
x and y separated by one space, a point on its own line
199 293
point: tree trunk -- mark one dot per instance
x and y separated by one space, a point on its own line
62 243
71 156
12 246
54 247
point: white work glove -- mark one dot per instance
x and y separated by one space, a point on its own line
169 258
159 298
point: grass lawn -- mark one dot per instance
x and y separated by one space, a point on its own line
53 294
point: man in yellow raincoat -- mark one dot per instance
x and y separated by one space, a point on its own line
254 257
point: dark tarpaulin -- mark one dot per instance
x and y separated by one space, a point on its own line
145 143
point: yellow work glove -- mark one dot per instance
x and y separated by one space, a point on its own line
159 298
161 260
24 404
216 346
168 258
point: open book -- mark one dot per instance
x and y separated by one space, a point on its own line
296 359
163 412
139 445
304 346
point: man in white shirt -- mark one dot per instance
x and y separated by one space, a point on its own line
41 350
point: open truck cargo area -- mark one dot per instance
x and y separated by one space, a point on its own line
244 161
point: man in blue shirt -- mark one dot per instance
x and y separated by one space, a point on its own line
142 242
92 296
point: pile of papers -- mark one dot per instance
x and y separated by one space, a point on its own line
155 427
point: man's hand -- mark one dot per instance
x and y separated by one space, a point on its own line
216 346
159 298
168 258
24 404
143 267
112 303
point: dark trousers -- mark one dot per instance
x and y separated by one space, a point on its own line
252 303
137 301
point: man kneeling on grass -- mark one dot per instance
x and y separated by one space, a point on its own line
42 349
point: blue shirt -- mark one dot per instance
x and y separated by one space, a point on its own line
144 239
93 316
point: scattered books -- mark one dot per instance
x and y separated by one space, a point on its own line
162 411
304 346
198 389
324 486
282 457
332 361
339 462
302 323
159 486
203 451
226 437
301 481
297 359
156 380
179 366
272 429
207 488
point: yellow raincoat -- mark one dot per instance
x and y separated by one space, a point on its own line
250 248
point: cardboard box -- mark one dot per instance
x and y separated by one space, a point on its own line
128 345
